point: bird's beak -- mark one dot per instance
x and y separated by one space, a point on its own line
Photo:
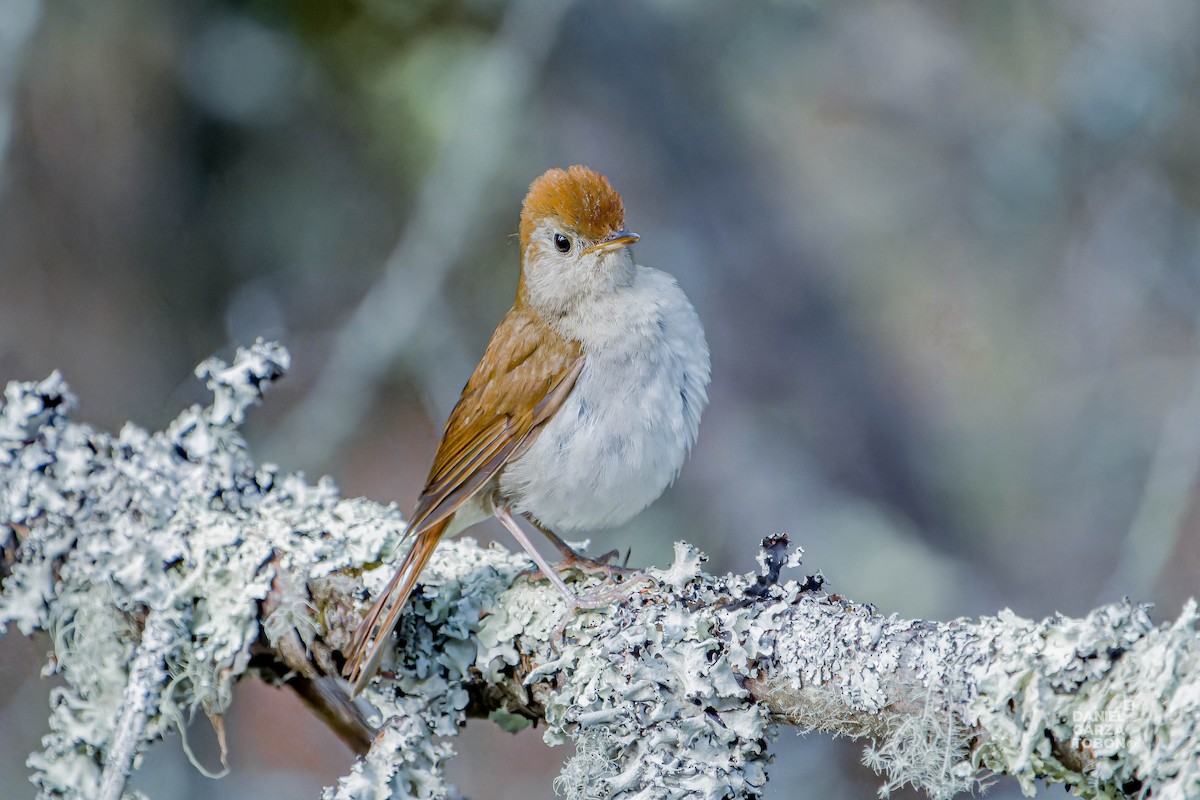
617 240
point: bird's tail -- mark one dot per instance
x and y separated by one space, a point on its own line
374 632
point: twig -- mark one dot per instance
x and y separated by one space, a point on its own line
147 674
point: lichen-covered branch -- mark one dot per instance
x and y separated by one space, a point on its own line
166 566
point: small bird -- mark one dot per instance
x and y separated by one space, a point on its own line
584 405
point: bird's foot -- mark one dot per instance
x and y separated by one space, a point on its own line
601 565
617 586
572 559
619 581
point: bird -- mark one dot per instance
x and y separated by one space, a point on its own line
583 408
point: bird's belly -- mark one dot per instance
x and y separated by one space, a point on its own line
617 442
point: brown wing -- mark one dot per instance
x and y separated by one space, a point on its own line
522 379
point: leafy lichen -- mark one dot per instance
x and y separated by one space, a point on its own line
1107 704
180 525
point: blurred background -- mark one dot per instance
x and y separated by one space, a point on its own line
947 256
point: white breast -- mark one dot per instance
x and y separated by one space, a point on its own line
624 431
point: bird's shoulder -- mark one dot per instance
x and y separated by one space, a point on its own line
524 359
524 375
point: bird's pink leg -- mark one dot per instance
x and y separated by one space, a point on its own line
592 566
590 600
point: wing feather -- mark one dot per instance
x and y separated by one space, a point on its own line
523 379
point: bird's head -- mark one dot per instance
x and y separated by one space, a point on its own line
574 244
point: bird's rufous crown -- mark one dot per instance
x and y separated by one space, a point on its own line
581 199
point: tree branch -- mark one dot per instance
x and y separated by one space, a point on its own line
167 566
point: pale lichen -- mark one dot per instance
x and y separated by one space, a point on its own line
419 710
1108 704
179 526
648 688
659 681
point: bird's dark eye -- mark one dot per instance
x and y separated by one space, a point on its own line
561 243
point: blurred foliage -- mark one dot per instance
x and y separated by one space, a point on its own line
947 254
